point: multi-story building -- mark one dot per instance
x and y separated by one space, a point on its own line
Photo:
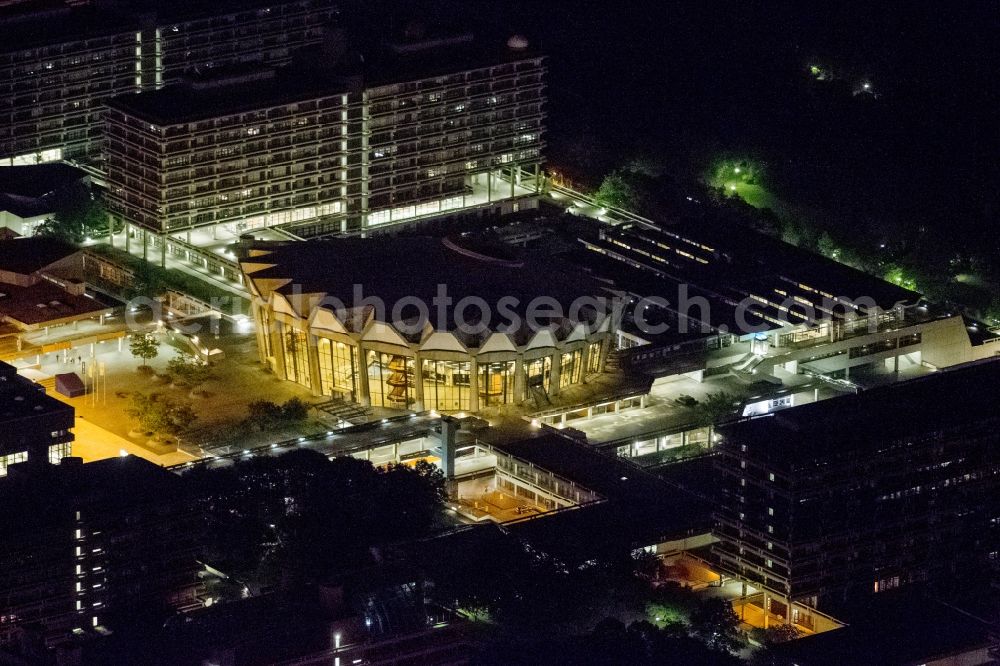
421 130
85 545
365 320
822 504
36 426
58 63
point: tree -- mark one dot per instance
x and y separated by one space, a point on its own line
160 414
827 247
78 214
263 414
147 280
715 622
144 346
616 191
294 410
189 368
898 275
779 633
717 407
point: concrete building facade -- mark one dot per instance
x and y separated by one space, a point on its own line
315 329
59 65
831 502
318 153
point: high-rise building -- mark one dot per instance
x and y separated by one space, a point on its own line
85 545
857 495
419 130
58 62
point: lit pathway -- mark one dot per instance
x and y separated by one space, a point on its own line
95 443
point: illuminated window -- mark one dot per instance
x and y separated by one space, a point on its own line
446 385
12 459
570 368
338 369
390 380
496 383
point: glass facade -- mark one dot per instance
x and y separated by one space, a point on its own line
594 357
538 373
12 459
570 368
446 385
496 383
296 356
59 451
338 366
390 380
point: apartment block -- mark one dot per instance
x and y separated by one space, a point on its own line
59 62
410 134
830 502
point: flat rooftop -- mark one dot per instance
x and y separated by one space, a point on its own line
951 398
640 510
25 256
891 630
728 265
183 102
197 100
21 398
45 302
42 496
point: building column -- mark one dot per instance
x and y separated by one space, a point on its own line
163 251
278 348
473 386
555 374
418 381
312 354
364 396
145 245
519 380
489 185
128 236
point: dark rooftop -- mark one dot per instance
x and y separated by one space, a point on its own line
958 396
891 630
640 509
38 180
182 103
25 256
21 398
314 76
728 265
45 302
394 268
105 485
